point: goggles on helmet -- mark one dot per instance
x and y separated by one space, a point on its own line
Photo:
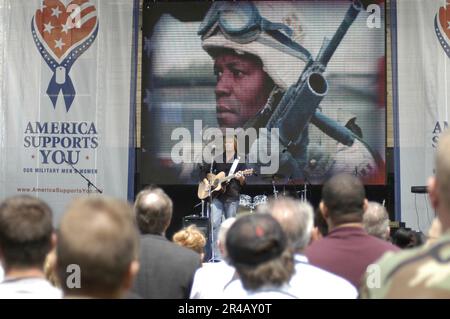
241 22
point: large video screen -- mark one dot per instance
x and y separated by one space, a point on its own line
299 86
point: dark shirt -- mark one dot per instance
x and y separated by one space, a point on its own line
347 251
166 270
233 187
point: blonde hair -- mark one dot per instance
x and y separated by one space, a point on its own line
50 268
227 137
190 237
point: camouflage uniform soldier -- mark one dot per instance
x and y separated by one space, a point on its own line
422 272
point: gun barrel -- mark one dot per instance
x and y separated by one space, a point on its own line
300 102
350 16
301 107
333 129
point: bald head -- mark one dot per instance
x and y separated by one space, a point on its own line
376 221
295 217
153 209
99 235
344 197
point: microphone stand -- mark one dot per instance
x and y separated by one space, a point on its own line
275 192
293 184
305 189
304 193
209 214
202 213
89 183
208 209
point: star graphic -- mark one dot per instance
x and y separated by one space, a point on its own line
59 44
48 27
56 12
66 27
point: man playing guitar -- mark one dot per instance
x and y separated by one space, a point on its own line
225 203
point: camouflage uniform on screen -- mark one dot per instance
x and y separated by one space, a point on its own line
422 272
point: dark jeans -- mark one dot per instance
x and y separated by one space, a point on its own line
220 209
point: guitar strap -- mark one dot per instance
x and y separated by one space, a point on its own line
233 167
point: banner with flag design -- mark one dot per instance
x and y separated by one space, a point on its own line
67 87
421 55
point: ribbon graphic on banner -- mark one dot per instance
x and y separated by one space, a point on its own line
442 22
61 41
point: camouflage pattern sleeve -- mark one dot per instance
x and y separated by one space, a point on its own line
422 272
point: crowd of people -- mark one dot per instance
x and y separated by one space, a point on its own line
105 248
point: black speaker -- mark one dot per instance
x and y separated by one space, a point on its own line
202 224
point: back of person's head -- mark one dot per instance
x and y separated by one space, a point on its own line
223 231
402 238
434 232
344 197
417 239
153 209
25 232
98 234
295 217
258 248
376 221
442 175
192 238
320 224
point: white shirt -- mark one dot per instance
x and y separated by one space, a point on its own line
28 288
2 273
311 282
308 282
235 290
211 279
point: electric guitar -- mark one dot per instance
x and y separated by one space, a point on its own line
217 183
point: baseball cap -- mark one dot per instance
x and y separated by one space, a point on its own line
255 239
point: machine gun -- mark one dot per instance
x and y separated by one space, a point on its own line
298 106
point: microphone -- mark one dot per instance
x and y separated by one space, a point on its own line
419 189
212 152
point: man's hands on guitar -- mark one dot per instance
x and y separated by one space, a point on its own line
215 183
240 177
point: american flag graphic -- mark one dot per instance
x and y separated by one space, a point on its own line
442 27
61 34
